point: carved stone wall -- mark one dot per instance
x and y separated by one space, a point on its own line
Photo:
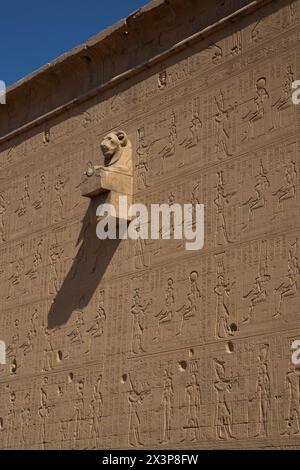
119 344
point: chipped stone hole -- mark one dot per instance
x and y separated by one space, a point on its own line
1 424
59 356
13 367
124 378
70 377
233 327
182 365
230 347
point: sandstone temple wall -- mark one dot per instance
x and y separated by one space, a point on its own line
143 344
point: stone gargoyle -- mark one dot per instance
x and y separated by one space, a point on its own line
115 177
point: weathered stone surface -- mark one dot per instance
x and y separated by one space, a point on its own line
123 343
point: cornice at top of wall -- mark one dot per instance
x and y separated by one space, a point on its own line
110 57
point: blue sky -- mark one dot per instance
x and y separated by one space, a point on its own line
34 32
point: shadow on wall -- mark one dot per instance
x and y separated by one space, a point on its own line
86 271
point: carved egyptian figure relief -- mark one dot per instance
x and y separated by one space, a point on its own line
46 137
256 34
11 420
138 311
258 199
34 271
166 314
39 202
192 396
141 257
223 385
288 189
258 293
165 232
25 198
97 328
217 54
223 289
284 101
262 394
258 110
78 415
221 200
167 408
168 150
191 307
143 160
55 255
292 386
76 335
162 80
236 47
28 345
195 128
136 396
289 287
13 346
59 188
26 418
48 352
223 146
16 284
44 411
